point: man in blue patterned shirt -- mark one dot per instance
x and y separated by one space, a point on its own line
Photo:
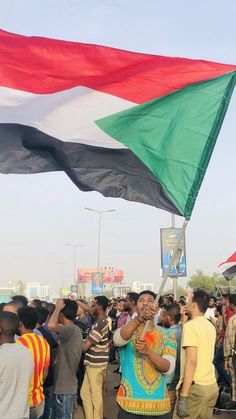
145 364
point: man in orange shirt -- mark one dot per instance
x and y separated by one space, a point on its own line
40 350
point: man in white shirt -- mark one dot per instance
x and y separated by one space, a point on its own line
210 312
16 369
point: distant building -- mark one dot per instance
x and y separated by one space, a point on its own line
36 290
138 287
6 294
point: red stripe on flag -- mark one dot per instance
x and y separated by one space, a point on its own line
232 258
229 260
42 65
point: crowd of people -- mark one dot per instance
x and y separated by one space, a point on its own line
174 360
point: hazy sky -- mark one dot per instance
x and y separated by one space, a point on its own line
39 213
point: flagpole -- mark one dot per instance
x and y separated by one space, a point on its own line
176 253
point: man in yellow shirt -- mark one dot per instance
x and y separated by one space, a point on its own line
197 387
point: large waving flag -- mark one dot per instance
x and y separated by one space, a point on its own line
130 125
228 268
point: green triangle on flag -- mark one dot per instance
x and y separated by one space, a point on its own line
174 135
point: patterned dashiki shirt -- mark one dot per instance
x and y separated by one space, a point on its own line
143 389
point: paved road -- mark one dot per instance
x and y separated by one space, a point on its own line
111 409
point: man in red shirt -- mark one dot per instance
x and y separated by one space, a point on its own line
223 376
40 350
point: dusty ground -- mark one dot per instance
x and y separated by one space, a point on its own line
111 406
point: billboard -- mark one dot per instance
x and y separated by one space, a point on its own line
97 283
64 292
110 275
169 239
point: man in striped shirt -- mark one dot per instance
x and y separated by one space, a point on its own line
96 361
40 350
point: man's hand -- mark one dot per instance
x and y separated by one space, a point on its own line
141 347
226 364
181 406
60 304
184 314
147 313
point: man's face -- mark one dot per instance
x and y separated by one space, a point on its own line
224 301
144 301
121 307
189 305
96 307
164 318
212 303
128 304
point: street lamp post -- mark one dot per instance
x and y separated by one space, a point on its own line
75 246
99 231
62 272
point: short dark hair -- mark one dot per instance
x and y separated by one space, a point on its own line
173 311
28 317
201 298
212 297
20 299
9 323
50 308
42 315
133 296
70 309
232 299
147 292
226 296
170 299
37 303
102 301
2 305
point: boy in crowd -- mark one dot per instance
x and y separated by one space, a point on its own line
16 369
65 378
229 354
96 360
40 351
170 318
198 390
145 364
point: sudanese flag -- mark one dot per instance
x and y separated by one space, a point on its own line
228 268
136 126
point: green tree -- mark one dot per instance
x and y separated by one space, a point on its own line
200 280
208 283
180 291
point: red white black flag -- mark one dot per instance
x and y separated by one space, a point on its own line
228 268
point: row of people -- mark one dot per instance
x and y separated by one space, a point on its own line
63 352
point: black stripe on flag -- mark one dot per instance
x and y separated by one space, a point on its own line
230 273
112 172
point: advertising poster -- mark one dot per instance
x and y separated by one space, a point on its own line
110 275
64 292
97 283
169 240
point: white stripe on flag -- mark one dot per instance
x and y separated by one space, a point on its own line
68 115
226 265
